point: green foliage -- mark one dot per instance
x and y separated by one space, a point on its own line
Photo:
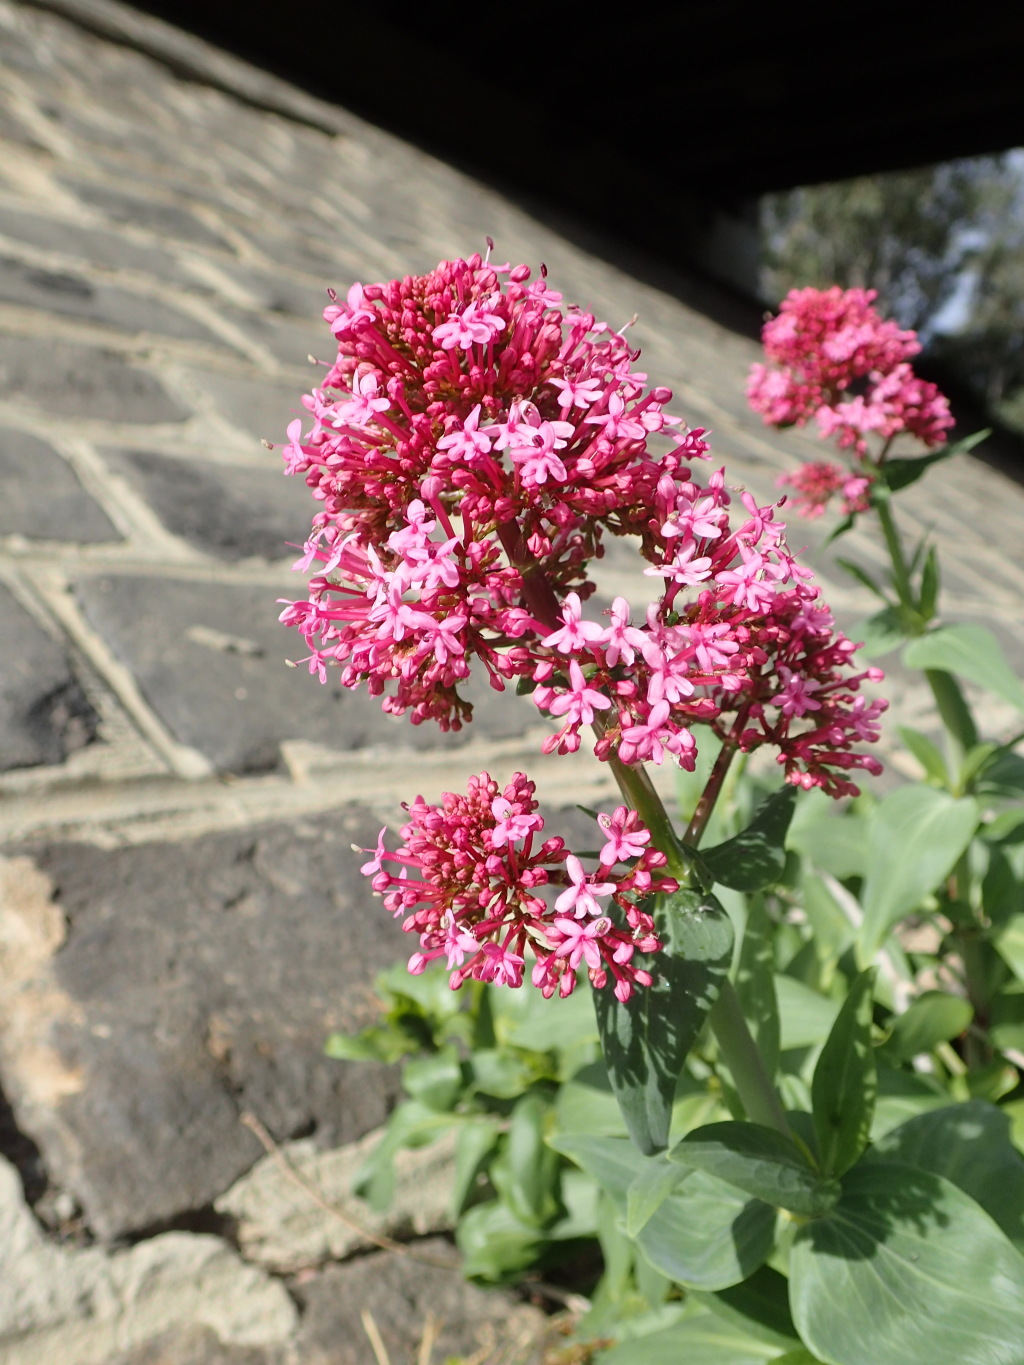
755 858
931 1275
971 651
647 1039
845 1082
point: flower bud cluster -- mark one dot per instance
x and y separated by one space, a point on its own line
471 446
475 881
834 359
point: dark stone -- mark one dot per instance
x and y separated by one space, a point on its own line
401 1293
197 1346
41 498
99 246
226 510
289 341
67 295
44 714
203 979
210 660
81 381
168 220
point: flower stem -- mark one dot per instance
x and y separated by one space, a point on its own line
709 796
740 1053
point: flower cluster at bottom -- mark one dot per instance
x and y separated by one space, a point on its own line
469 880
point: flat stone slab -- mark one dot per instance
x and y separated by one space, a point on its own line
196 981
210 660
83 382
225 510
98 246
278 1226
199 1345
41 497
68 295
406 1297
44 713
168 220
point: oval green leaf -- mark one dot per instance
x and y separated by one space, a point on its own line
907 1269
915 837
708 1235
646 1040
761 1162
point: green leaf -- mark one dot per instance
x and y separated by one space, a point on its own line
755 985
879 634
476 1140
495 1244
435 1081
907 1269
1010 944
862 576
847 524
708 1234
760 1306
845 1082
929 594
761 1162
915 836
646 1040
703 1340
902 473
649 1189
926 754
500 1072
971 1145
805 1017
974 653
933 1018
756 857
531 1165
611 1162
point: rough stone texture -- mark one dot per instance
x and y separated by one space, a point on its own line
225 510
199 1346
279 1226
78 1307
44 714
70 295
197 982
402 1294
41 497
169 220
211 666
97 246
82 381
195 957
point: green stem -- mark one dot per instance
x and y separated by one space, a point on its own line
739 1052
900 571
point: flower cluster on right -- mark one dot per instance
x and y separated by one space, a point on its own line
834 359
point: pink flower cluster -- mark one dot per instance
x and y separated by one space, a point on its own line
476 893
834 359
815 483
470 447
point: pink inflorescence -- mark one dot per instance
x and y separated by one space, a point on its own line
470 878
834 359
470 448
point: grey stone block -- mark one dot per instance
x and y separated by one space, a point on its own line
44 714
168 220
257 406
200 980
210 660
228 511
67 295
82 381
99 246
41 498
401 1293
